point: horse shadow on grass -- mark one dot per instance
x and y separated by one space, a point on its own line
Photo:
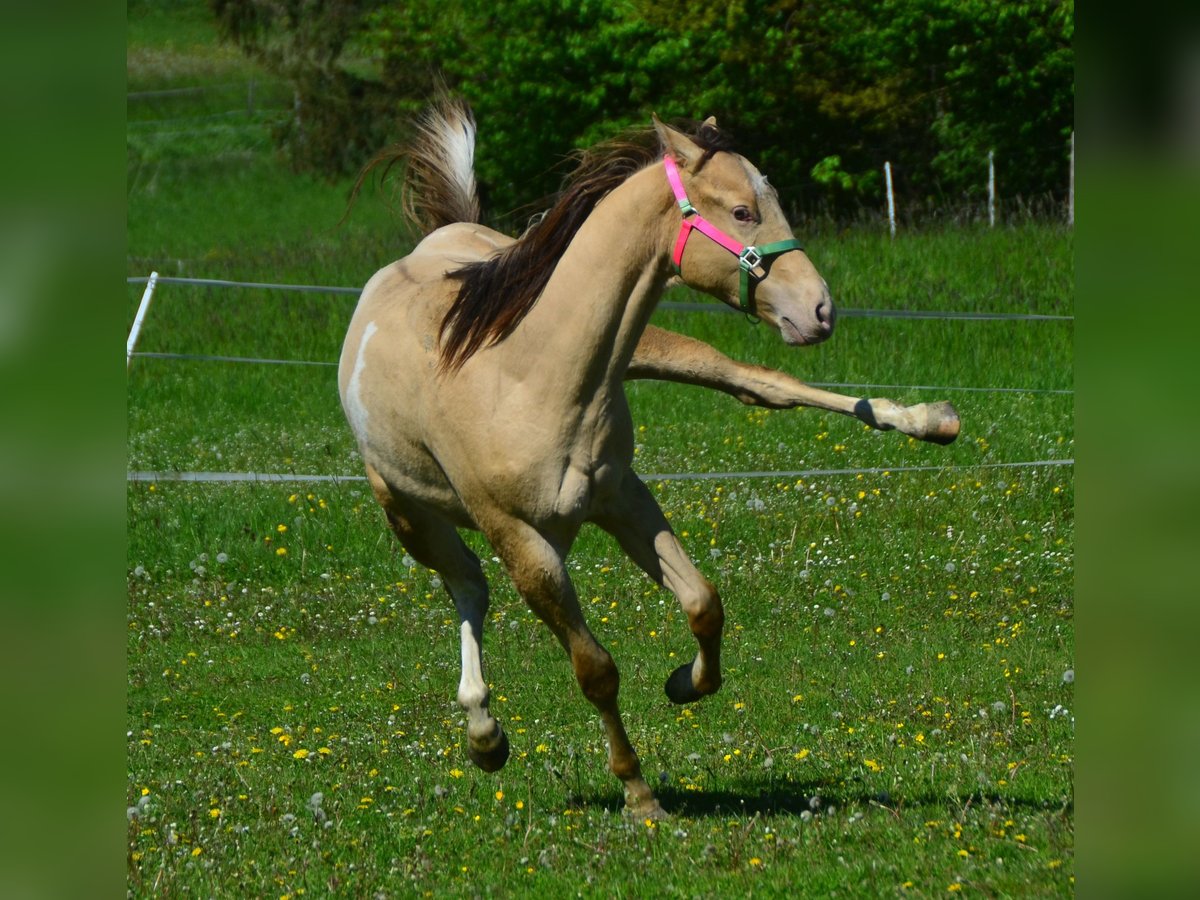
764 798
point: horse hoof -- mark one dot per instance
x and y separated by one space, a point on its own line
679 686
647 812
491 760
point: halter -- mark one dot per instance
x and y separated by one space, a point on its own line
749 258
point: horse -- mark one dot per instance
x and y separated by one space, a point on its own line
482 377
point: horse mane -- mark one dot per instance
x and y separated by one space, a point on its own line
495 294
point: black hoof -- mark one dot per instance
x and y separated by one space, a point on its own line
679 686
491 760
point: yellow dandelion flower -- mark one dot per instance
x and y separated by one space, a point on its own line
281 551
214 813
196 851
456 773
520 804
300 754
281 528
755 861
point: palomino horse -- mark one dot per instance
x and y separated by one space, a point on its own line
482 378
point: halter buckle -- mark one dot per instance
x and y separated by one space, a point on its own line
750 258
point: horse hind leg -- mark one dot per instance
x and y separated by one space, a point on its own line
435 544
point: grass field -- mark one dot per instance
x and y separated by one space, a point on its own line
897 714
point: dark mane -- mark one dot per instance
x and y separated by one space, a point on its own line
496 294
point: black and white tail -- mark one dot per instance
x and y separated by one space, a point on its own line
438 186
439 181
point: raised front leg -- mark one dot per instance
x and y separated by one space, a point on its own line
666 356
638 524
540 575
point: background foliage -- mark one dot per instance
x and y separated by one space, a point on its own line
820 93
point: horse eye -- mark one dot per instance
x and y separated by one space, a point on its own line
743 214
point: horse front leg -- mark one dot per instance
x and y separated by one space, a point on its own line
638 524
663 355
538 570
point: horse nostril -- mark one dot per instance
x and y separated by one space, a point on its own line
825 313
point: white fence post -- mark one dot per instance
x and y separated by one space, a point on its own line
139 318
991 188
1071 186
891 199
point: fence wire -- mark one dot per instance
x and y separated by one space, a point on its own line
293 477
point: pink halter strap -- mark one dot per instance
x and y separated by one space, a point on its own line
693 219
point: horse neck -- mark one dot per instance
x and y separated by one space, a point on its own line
597 303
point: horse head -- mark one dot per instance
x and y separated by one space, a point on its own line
746 254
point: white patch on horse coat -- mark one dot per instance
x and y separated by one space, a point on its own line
472 689
356 410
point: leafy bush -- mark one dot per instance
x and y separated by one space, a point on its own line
930 85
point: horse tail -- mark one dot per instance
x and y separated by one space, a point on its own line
439 183
438 187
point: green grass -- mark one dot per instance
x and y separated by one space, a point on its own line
895 717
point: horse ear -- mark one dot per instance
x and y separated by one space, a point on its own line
711 120
677 144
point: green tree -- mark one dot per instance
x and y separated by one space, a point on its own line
819 93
